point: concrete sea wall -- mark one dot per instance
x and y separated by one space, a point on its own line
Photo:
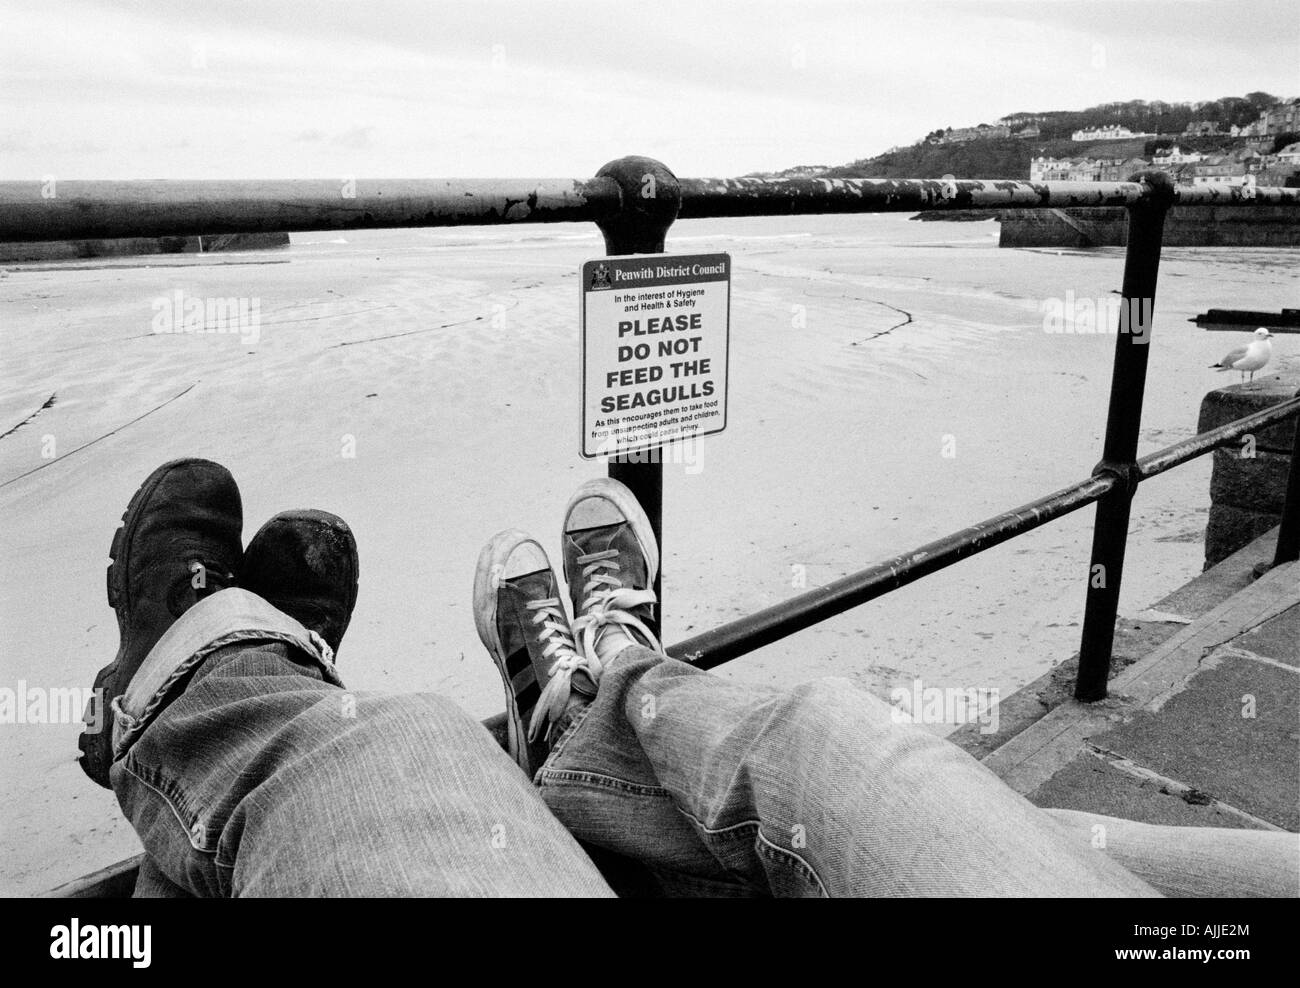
62 250
1185 226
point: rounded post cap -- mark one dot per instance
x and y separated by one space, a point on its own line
650 197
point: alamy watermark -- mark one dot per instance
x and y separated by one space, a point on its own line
687 453
1108 314
94 941
181 313
26 704
921 704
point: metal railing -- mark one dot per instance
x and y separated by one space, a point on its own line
634 201
78 210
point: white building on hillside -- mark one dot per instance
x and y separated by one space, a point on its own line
1220 169
1175 156
1045 169
1111 132
1282 118
1289 155
1084 170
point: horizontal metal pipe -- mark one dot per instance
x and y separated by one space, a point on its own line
1205 442
762 197
72 210
747 634
712 648
1234 195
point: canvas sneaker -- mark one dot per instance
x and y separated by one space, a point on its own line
523 623
611 558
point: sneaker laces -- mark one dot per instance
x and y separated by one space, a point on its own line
557 638
608 605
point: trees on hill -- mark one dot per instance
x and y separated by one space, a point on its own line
993 158
1156 116
1009 157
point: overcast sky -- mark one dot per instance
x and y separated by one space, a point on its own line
325 89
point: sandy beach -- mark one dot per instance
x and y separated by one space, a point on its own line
863 348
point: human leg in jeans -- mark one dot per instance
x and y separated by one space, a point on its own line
811 791
1194 862
242 762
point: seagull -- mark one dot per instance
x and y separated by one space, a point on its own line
1249 358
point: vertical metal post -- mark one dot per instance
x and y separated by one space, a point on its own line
1123 420
650 199
1288 536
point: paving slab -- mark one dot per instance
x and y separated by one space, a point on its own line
1092 784
1277 639
1232 734
1202 730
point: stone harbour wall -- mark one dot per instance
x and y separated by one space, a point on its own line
1248 480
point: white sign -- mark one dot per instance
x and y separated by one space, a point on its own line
655 331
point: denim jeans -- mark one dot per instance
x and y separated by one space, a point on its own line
248 769
257 773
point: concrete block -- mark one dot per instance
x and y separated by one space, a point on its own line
1230 528
1224 405
1247 493
1255 483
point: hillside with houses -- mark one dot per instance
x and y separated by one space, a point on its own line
1253 139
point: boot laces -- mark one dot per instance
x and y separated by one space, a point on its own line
214 579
